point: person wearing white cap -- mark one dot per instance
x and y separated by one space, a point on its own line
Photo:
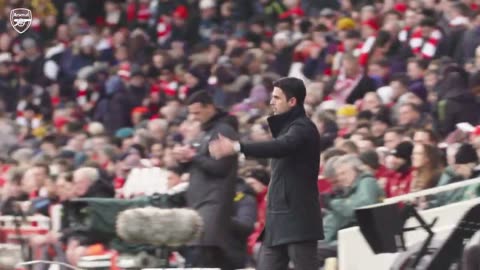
208 13
207 4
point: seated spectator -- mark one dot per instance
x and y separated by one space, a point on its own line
382 174
243 225
466 161
356 188
11 193
258 179
399 183
393 137
86 184
427 161
326 174
425 136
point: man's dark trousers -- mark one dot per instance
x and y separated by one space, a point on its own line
302 254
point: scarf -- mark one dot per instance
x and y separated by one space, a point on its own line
425 47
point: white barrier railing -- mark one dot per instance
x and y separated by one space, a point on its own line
354 253
432 191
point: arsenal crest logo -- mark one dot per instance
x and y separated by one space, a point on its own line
21 19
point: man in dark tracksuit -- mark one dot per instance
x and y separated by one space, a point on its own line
293 222
212 182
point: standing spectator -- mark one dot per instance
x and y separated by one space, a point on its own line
416 71
470 41
351 84
456 102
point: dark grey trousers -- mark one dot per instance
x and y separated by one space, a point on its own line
303 255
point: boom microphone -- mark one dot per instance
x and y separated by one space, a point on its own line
155 226
10 256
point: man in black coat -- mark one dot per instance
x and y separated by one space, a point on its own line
212 182
293 222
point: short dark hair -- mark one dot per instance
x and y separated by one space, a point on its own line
202 97
397 130
428 22
461 8
401 78
292 88
370 158
333 152
412 106
431 134
42 165
421 63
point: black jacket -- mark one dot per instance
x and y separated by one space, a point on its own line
212 182
293 210
365 85
456 103
242 224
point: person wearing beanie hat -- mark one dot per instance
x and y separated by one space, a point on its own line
345 24
466 154
346 118
400 181
466 161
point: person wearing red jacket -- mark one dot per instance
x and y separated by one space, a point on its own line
258 180
399 183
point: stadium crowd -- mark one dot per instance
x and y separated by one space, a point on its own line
97 88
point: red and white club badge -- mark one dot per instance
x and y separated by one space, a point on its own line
21 19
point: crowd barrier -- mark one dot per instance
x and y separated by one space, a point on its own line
354 253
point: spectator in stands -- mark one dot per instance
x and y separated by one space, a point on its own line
258 179
12 193
466 161
351 84
358 189
393 137
400 182
243 224
425 136
456 102
426 159
380 172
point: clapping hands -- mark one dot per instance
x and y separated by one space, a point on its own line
183 153
221 147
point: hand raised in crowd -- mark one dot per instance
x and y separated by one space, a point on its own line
221 147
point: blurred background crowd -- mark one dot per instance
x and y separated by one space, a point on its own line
102 84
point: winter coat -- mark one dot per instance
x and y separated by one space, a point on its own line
399 183
341 208
449 177
242 225
212 183
293 210
469 43
456 103
365 85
